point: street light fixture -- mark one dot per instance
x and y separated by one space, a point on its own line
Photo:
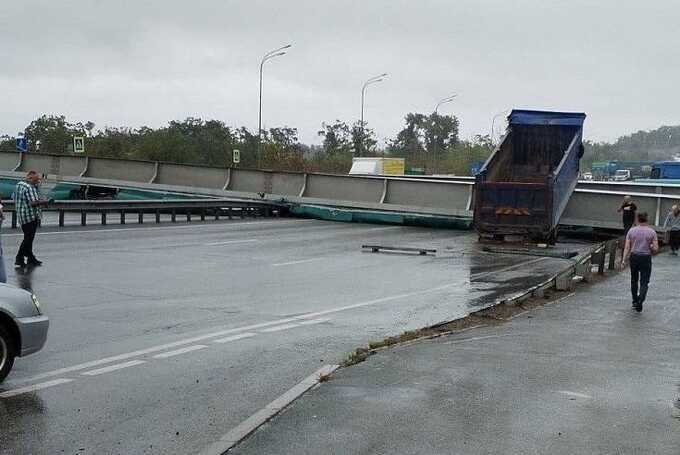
435 152
443 101
493 122
370 81
268 56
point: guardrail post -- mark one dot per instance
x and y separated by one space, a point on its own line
14 219
122 217
217 213
103 218
158 216
140 217
243 214
203 214
188 215
173 216
83 218
61 218
229 212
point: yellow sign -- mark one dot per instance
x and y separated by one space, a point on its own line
393 166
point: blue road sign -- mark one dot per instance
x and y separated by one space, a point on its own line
22 144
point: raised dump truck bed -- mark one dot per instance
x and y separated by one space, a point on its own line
524 186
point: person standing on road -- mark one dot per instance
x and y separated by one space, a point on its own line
641 244
628 208
28 203
672 225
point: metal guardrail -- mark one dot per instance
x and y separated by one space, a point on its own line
203 208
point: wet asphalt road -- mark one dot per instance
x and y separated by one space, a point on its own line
165 337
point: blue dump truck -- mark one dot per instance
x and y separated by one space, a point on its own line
524 186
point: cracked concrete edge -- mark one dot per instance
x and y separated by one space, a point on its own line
233 437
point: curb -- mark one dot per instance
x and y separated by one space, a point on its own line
252 423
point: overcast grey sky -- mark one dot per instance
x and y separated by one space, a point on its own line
139 62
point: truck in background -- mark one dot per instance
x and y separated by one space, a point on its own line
611 170
377 166
524 186
666 170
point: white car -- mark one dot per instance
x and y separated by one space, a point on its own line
23 326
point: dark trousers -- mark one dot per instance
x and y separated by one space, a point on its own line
26 248
674 240
626 228
640 271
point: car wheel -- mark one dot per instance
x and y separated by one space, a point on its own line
6 353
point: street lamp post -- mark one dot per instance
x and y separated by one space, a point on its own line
493 123
268 56
363 93
435 151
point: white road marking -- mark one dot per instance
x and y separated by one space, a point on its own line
252 423
302 261
315 321
110 368
229 242
220 333
235 337
165 355
163 228
278 328
34 387
575 394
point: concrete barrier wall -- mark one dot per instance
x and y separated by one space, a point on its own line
247 181
428 194
40 163
593 203
286 184
72 165
8 161
135 171
205 177
344 188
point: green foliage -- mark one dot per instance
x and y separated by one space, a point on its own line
54 133
425 139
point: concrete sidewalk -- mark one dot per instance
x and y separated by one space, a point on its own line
586 375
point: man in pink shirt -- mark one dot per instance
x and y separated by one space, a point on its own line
641 244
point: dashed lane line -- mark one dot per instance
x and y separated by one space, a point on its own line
301 261
229 242
221 333
279 328
315 321
235 337
193 348
34 387
110 368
